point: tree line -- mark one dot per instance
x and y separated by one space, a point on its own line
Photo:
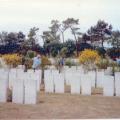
55 42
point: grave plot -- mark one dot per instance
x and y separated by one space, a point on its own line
59 83
108 89
18 92
117 83
75 84
30 92
49 84
86 84
3 90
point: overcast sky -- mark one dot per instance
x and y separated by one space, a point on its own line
20 15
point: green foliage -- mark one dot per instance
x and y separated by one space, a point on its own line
69 62
63 52
45 61
101 51
28 62
113 52
99 31
31 54
115 39
70 45
103 63
53 49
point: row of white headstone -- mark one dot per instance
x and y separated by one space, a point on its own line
80 82
24 85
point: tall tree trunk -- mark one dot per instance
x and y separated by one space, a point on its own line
42 75
63 37
114 87
102 42
75 40
114 81
95 78
117 44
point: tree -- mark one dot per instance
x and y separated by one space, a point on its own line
71 47
101 51
32 36
63 52
21 37
73 25
51 38
85 38
60 27
11 38
115 40
100 32
54 28
3 36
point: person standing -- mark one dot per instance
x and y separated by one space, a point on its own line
36 62
61 64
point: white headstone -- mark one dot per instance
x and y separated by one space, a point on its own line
4 75
30 92
75 84
86 84
3 90
12 79
92 76
59 83
37 77
108 89
18 92
68 77
49 84
100 79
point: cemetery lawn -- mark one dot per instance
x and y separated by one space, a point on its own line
64 106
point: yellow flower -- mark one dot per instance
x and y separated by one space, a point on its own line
12 59
89 57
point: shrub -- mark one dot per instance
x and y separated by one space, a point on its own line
63 52
45 61
89 59
31 54
28 62
12 59
69 62
103 64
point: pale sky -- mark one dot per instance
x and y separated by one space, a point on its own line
20 15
